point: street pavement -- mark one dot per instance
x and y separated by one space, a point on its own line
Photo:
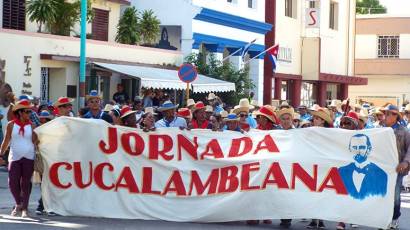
8 222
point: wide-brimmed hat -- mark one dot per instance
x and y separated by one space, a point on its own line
284 104
304 122
167 106
314 107
243 106
363 115
190 102
232 117
184 112
324 114
268 112
63 101
22 104
391 108
407 108
376 111
93 94
336 104
150 110
126 110
284 111
351 116
224 114
45 114
198 106
296 116
256 103
108 108
211 96
209 109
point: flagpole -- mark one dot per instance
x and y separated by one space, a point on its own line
237 51
259 54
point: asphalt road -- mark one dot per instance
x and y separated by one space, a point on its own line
8 222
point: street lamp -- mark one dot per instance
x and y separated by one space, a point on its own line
82 53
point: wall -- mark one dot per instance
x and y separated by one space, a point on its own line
366 46
67 46
57 83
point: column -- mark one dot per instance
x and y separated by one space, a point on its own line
256 75
296 92
215 49
236 59
343 92
278 89
321 93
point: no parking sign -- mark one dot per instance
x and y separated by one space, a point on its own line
187 73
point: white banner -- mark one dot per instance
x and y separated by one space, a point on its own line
98 170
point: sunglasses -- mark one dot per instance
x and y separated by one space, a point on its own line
94 101
26 111
65 106
243 115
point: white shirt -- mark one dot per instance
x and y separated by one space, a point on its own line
358 177
4 111
177 122
21 146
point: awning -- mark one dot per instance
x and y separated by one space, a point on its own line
168 79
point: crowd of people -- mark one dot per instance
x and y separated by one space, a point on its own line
157 111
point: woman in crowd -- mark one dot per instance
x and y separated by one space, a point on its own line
22 141
128 118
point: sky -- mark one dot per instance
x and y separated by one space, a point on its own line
397 6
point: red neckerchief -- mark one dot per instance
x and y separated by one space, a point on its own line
245 126
22 125
268 126
196 126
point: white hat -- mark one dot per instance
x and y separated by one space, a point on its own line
243 106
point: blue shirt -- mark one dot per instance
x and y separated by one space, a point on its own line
177 122
101 115
306 117
252 122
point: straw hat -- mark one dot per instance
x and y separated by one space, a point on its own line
284 111
22 104
93 94
190 102
108 108
167 106
126 110
268 112
284 104
324 114
184 113
149 110
256 103
232 117
63 101
209 109
211 96
224 114
336 104
363 115
296 116
407 108
304 122
314 107
243 106
376 111
352 116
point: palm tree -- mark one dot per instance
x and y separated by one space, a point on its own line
127 29
149 27
41 11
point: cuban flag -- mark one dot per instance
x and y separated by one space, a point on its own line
245 49
273 55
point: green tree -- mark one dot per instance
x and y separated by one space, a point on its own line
41 11
127 29
226 72
370 7
149 27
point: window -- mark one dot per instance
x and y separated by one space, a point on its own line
290 8
100 25
14 14
252 4
285 54
334 15
312 4
388 47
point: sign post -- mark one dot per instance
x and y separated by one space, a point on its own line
187 73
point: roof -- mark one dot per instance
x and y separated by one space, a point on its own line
158 78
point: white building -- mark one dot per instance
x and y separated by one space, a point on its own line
217 26
316 61
383 56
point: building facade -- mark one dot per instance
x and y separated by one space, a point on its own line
47 66
316 54
218 27
383 56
